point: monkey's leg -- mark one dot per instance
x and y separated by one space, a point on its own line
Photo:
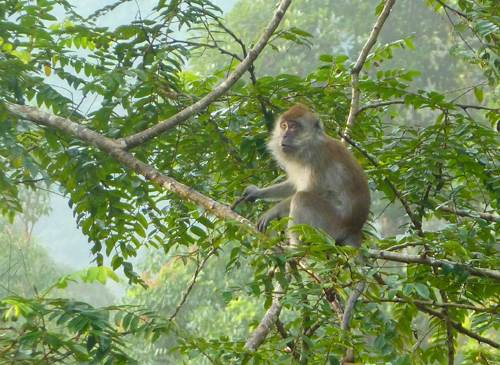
311 209
280 210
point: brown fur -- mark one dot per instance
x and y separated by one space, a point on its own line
326 186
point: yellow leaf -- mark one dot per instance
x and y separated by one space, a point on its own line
48 70
7 47
24 56
17 163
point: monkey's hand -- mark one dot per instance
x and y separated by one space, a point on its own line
264 220
251 193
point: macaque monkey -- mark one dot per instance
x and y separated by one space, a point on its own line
326 186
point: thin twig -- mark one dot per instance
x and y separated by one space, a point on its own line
460 328
397 193
485 216
432 312
435 304
430 261
191 284
459 13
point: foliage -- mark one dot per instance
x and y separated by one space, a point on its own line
442 174
217 298
61 330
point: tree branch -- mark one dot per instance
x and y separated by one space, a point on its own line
485 216
434 304
206 45
378 105
459 13
148 134
115 149
426 260
353 112
270 318
397 193
459 327
191 284
454 324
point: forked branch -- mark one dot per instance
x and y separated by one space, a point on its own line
244 66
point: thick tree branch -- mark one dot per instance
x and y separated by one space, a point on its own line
116 150
270 318
148 134
426 260
353 112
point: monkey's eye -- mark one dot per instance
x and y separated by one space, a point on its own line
283 125
293 126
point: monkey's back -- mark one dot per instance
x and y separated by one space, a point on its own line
342 176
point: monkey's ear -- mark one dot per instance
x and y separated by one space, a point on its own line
319 124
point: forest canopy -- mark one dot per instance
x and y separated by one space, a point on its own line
153 125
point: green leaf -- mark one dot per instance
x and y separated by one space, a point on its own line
90 274
227 296
308 341
403 360
409 44
206 222
379 343
193 354
334 360
24 56
301 32
392 293
408 289
142 220
127 319
326 58
423 290
478 91
134 324
198 231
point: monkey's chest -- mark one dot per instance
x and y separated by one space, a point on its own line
322 183
302 178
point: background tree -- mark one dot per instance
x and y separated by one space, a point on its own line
150 124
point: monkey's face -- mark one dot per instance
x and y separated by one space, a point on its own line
296 131
289 132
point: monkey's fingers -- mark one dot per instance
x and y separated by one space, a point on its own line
251 193
263 222
238 201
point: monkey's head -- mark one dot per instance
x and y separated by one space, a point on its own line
297 130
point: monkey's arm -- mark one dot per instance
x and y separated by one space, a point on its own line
275 192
